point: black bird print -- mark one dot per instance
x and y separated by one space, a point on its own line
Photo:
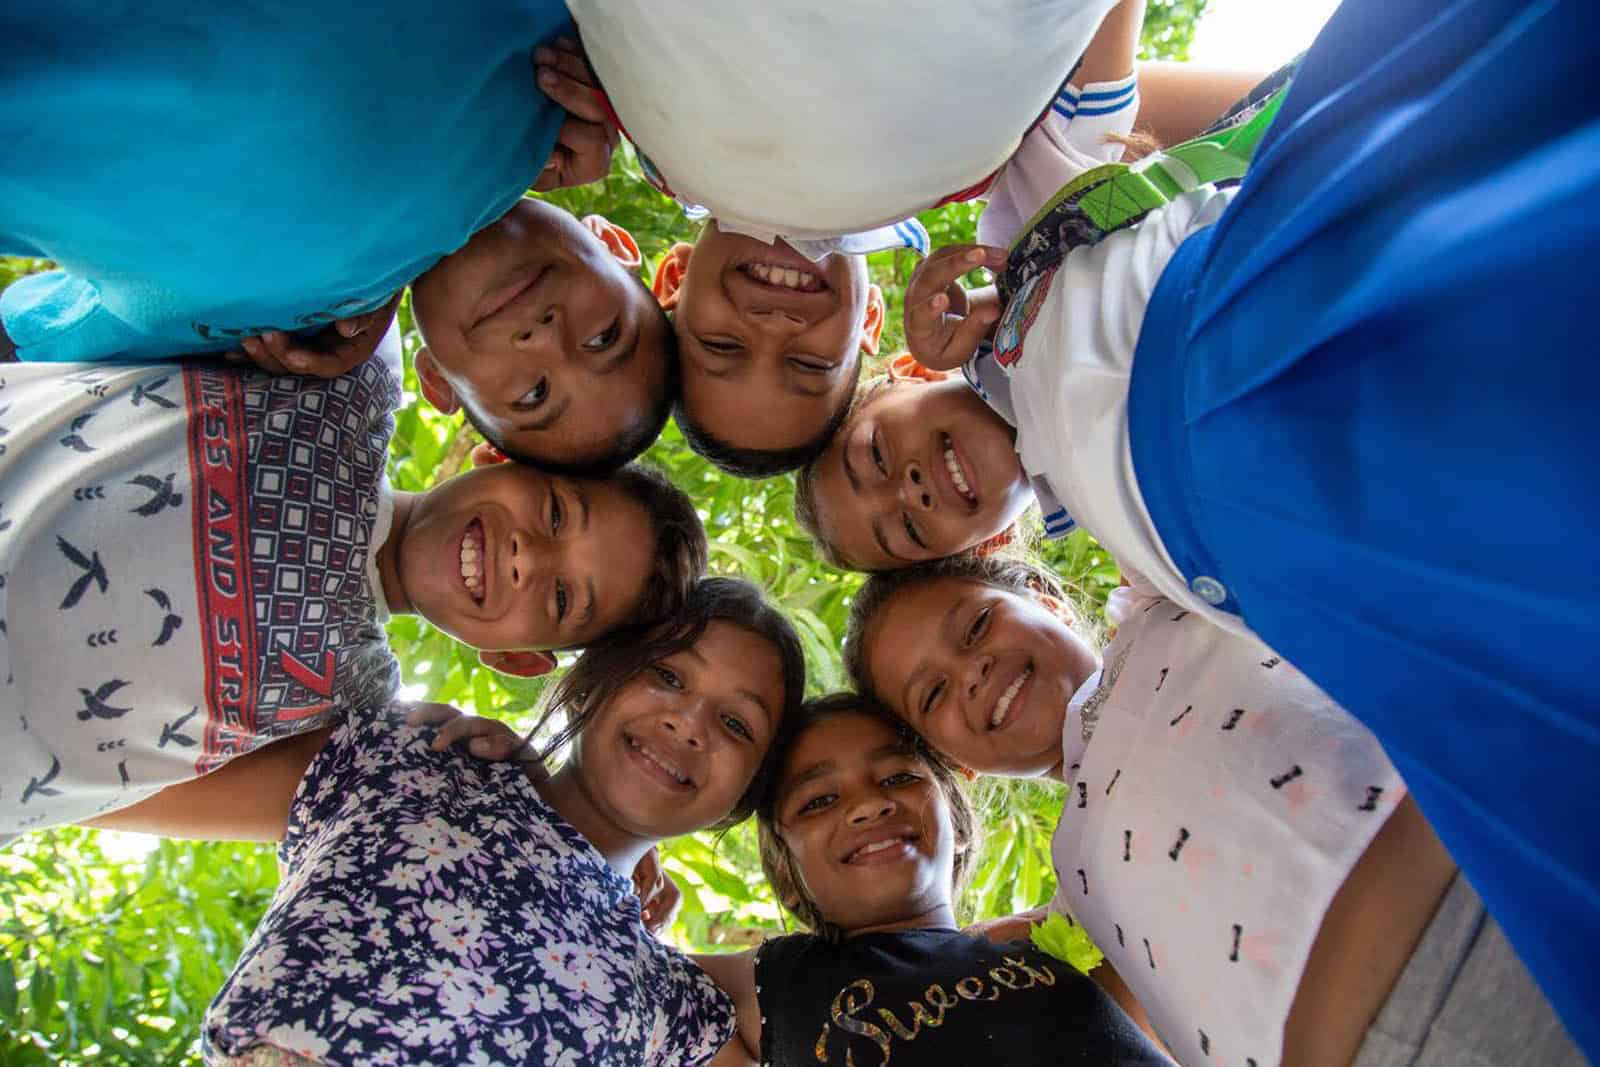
5 524
1238 931
93 571
1163 680
169 731
1271 662
1084 878
1127 846
1205 1043
122 772
169 624
1179 617
4 432
1233 719
1083 795
74 440
1371 803
142 393
1181 715
95 706
1120 941
1149 955
1183 839
41 786
1113 781
162 494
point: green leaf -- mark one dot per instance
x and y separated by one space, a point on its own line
1067 942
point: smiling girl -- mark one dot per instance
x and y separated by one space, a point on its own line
865 837
437 908
1238 845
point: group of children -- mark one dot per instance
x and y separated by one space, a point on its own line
1266 366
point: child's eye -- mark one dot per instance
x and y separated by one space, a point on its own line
557 515
900 778
720 346
666 676
561 600
737 727
980 623
604 340
816 803
533 397
929 701
877 455
808 367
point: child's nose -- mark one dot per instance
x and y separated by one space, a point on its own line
916 489
977 673
541 334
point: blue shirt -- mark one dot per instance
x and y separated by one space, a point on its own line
202 172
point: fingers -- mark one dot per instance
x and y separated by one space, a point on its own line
257 351
378 320
567 81
946 266
431 714
487 739
582 154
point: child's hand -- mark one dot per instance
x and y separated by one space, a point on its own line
945 323
337 349
659 896
582 153
487 739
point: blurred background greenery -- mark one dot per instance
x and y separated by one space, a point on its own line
111 945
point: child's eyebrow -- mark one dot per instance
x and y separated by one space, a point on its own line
588 608
811 774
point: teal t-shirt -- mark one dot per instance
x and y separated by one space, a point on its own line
204 171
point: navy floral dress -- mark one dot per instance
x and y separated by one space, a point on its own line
434 910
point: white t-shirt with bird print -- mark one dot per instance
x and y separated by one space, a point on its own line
186 571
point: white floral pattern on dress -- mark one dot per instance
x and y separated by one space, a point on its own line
435 910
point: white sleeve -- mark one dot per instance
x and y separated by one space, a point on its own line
1070 139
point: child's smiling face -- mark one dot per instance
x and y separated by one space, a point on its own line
919 471
985 674
769 342
675 748
866 825
539 329
510 557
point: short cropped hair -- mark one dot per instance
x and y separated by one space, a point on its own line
777 862
757 462
606 666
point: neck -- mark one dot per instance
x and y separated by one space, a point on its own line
394 590
939 917
1084 664
564 791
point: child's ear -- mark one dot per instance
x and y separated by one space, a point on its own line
872 326
619 242
670 272
521 663
1047 601
905 368
436 388
486 455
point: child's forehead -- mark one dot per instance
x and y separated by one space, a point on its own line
814 752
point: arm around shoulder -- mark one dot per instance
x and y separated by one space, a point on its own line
246 799
735 972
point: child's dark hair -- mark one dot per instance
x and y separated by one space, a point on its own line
805 480
605 667
627 445
758 462
678 549
778 862
1015 574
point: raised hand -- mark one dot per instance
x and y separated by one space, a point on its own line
944 322
582 152
487 739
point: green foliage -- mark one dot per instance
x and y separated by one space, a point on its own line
1067 942
109 955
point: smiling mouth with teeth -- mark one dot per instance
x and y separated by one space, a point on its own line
958 474
800 281
472 562
654 757
1003 706
864 852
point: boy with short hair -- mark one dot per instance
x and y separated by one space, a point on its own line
197 561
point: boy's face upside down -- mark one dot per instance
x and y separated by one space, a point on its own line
540 329
770 342
508 557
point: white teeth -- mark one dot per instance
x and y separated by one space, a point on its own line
787 277
472 562
876 847
953 465
1003 705
649 754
